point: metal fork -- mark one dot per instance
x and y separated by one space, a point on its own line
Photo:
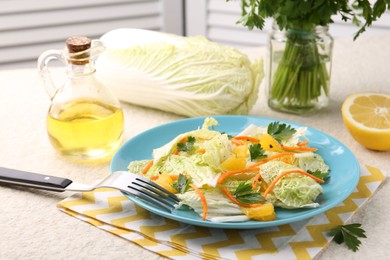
128 183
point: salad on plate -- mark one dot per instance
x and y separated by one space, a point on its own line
226 178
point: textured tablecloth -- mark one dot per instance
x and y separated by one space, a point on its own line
31 226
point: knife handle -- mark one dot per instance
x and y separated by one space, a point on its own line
33 180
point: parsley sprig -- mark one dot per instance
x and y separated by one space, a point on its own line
182 183
187 145
280 131
256 152
348 234
322 175
245 194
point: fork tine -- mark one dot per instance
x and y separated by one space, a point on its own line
155 192
150 197
156 188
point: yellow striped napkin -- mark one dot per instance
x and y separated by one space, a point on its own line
111 211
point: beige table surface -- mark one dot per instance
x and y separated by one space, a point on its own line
31 226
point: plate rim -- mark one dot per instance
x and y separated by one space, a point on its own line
246 224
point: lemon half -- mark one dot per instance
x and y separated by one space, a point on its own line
367 118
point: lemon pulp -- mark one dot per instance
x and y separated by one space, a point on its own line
367 118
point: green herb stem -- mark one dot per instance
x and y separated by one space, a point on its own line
301 76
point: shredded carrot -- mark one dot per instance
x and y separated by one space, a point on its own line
247 138
299 148
235 201
184 139
255 181
230 173
201 151
237 142
203 199
303 143
273 157
155 177
147 167
273 183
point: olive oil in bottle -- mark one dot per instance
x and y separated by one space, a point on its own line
85 121
86 129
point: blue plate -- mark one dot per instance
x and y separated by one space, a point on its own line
345 171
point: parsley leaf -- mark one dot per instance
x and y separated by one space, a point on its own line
280 131
182 183
245 194
290 14
187 145
348 234
322 175
256 152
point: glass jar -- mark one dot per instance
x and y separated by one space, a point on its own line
85 120
299 69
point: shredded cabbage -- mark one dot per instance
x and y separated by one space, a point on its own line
204 168
294 190
218 205
190 76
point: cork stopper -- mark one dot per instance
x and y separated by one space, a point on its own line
78 48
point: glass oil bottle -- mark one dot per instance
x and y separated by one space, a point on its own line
85 121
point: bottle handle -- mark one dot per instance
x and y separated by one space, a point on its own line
97 48
43 68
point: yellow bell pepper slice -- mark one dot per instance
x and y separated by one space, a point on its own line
165 181
233 163
241 151
268 143
265 212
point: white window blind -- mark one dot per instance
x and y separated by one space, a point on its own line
27 28
216 19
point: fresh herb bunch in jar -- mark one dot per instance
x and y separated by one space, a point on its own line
299 74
